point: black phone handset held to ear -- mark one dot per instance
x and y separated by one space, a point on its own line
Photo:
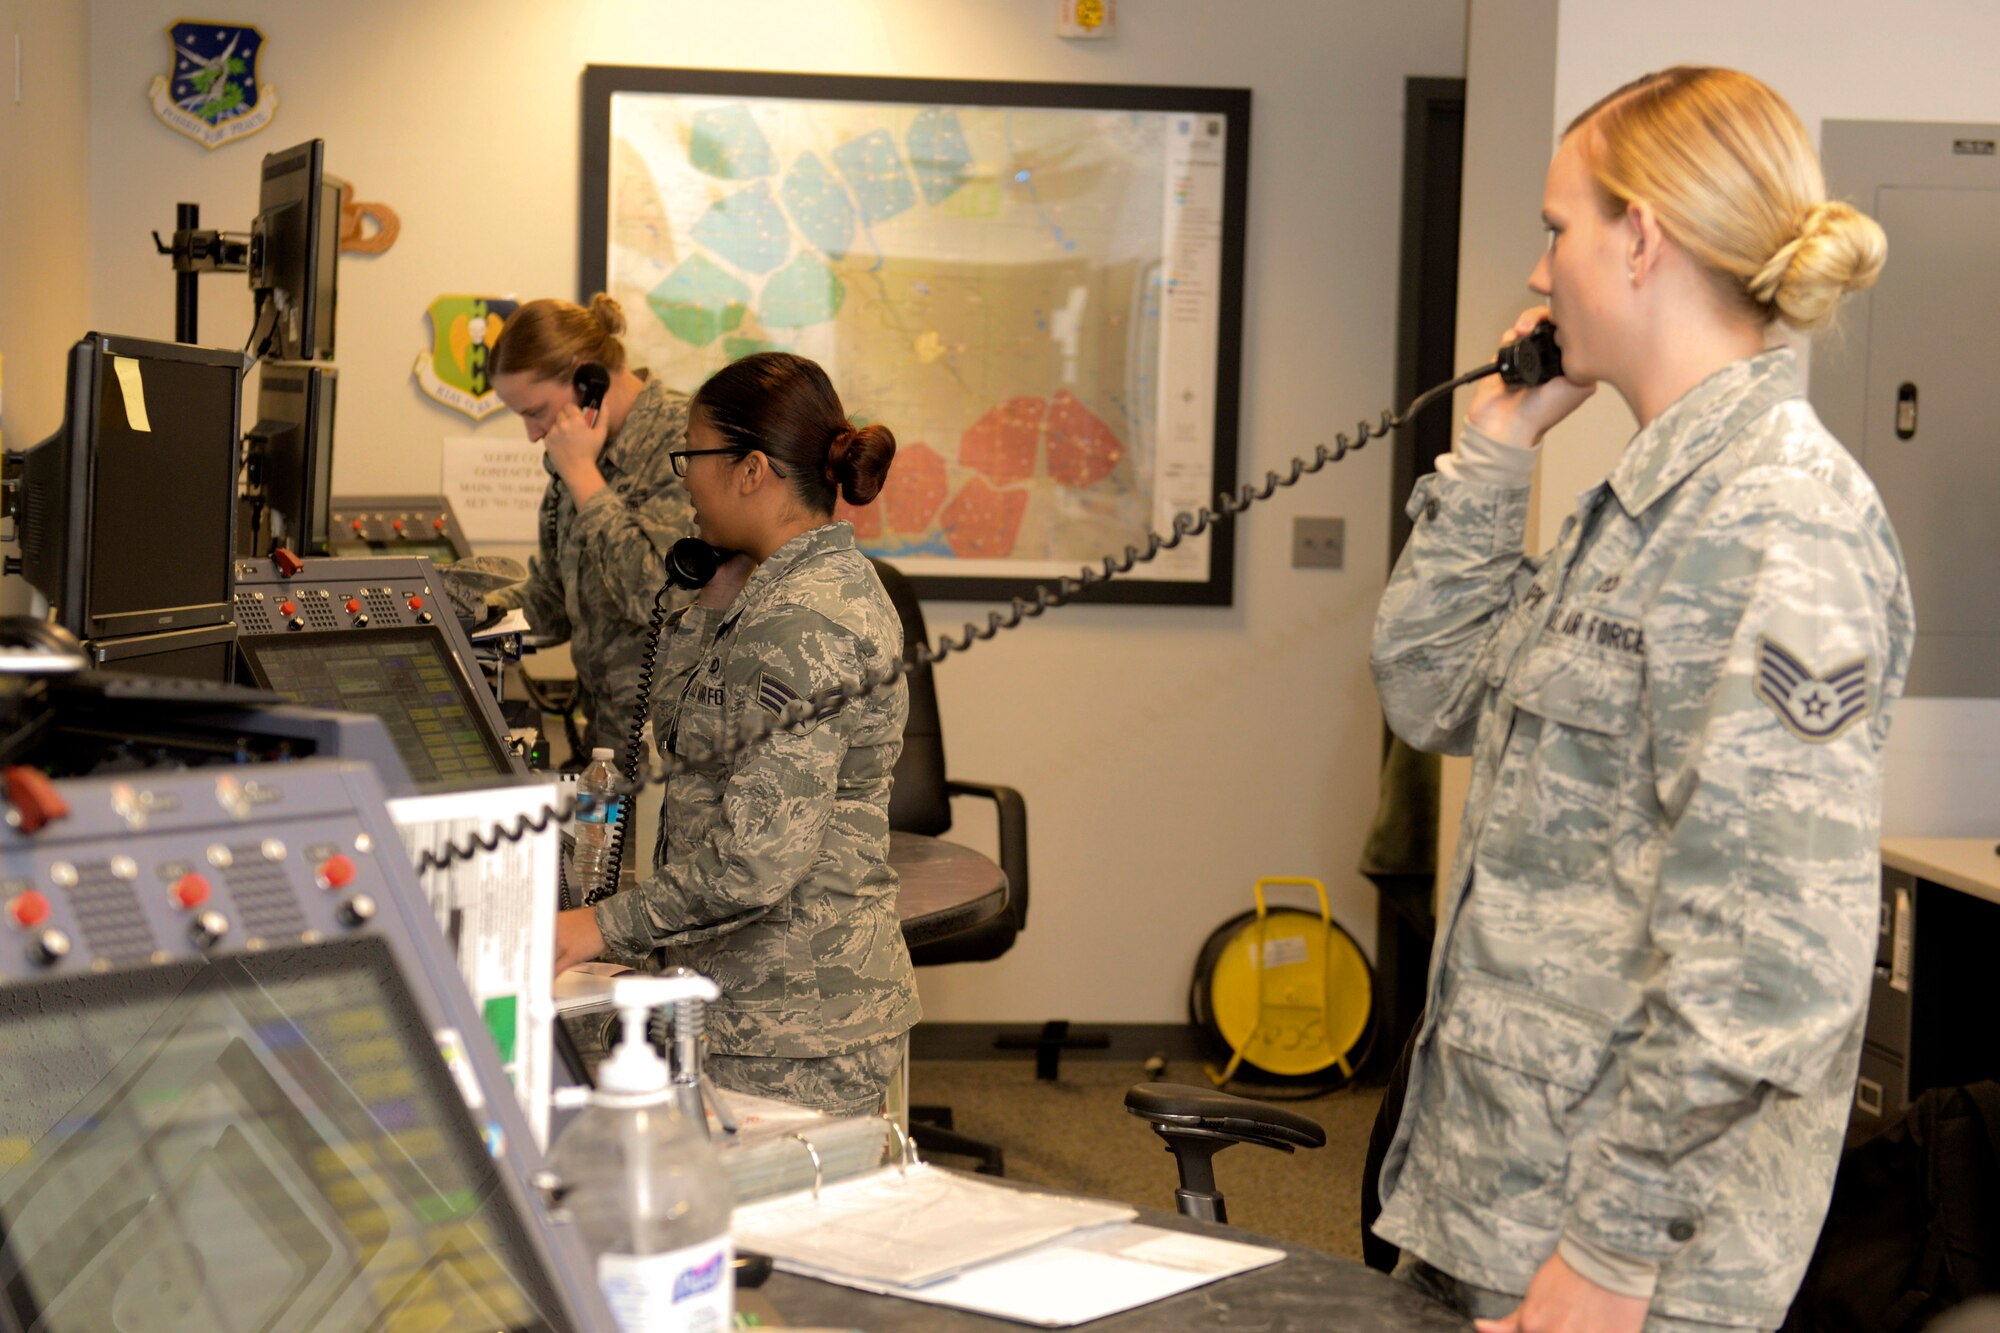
1534 359
1526 362
591 382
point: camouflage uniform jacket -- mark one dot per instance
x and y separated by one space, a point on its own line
772 874
1654 952
600 566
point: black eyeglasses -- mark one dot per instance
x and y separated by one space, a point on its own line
679 458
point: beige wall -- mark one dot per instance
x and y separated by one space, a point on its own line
1832 59
44 213
1509 87
1168 756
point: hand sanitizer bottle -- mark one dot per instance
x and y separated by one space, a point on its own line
643 1185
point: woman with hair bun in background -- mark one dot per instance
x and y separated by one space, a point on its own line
1627 1099
772 874
613 507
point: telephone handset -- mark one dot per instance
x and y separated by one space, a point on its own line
692 562
1531 360
591 382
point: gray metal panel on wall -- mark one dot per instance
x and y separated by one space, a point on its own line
1926 333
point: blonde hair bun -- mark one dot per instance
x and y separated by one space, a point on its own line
1730 171
608 313
1837 251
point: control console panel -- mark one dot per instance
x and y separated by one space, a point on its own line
396 525
245 1085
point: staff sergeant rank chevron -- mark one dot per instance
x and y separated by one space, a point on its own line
1814 708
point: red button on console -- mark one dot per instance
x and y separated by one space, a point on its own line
438 523
190 892
28 910
396 523
416 603
356 525
337 872
288 608
353 606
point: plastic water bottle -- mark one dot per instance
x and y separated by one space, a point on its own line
643 1184
593 827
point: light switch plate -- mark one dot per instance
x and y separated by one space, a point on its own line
1318 543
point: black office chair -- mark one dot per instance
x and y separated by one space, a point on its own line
920 803
1198 1123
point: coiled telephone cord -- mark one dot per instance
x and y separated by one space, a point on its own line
1186 524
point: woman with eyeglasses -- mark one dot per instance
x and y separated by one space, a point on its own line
772 874
613 507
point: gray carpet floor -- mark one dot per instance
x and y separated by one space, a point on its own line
1075 1134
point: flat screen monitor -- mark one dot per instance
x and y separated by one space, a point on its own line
258 1141
407 676
128 513
294 431
295 251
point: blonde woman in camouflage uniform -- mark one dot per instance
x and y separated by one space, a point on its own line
772 873
613 507
1646 1001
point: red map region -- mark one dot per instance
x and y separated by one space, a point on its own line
1001 444
915 489
983 522
1082 449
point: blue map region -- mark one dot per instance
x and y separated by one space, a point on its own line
819 206
803 292
747 228
874 170
900 545
940 158
699 301
727 143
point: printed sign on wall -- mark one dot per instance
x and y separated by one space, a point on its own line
211 93
463 331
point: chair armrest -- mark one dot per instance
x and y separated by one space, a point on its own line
1210 1114
1013 816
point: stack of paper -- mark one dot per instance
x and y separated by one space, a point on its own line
910 1227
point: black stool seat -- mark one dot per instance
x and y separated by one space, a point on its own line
1198 1123
1179 1106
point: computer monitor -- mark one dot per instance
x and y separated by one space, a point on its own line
295 251
128 512
408 677
258 1140
294 436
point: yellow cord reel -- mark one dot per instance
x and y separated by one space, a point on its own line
1284 996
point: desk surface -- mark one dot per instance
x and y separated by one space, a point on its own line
1969 865
1307 1291
946 888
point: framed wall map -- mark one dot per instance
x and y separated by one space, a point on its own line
1038 287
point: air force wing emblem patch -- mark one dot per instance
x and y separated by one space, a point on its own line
1813 708
212 94
463 331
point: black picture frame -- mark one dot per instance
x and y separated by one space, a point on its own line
604 83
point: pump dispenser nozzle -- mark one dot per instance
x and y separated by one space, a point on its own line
634 1069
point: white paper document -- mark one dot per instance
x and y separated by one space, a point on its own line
1086 1275
909 1227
